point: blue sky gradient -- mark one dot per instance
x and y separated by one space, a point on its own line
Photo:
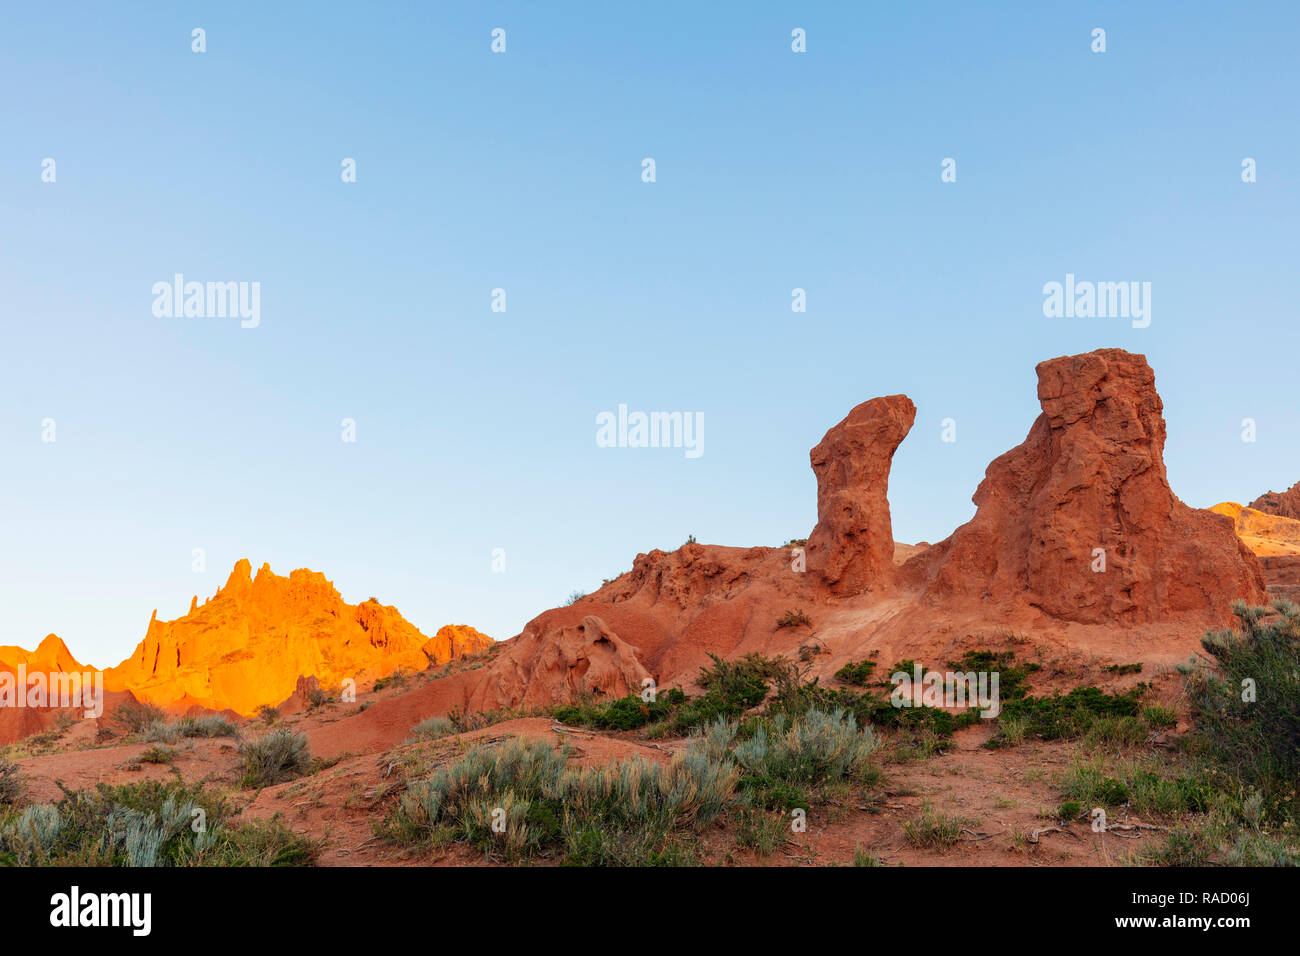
522 170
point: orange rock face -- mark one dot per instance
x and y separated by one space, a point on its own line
1267 535
250 643
1284 504
852 546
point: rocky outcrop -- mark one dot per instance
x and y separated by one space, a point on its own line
852 546
1284 504
559 665
453 641
1080 521
1266 535
251 642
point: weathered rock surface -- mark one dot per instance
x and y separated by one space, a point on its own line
251 642
1284 504
1089 484
852 546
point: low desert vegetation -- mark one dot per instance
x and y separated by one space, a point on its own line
278 756
758 772
208 725
934 830
146 824
730 689
623 713
1121 669
857 673
11 783
318 697
432 728
794 618
1159 718
158 754
1244 747
133 717
1082 711
520 799
1227 793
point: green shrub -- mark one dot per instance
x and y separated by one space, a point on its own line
857 673
280 755
158 754
810 752
623 713
1159 718
1256 741
11 783
1091 784
1125 668
1013 679
794 618
932 829
1060 717
433 728
136 716
209 725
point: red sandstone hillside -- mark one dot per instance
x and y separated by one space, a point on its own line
1089 478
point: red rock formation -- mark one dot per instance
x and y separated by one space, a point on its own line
1091 475
249 645
453 641
1284 504
852 546
559 665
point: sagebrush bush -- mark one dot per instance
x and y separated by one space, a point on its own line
11 783
208 725
136 716
279 755
1247 715
811 751
628 812
147 824
433 728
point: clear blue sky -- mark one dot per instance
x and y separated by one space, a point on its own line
522 170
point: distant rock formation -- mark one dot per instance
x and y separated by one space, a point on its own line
251 642
1284 504
1267 535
